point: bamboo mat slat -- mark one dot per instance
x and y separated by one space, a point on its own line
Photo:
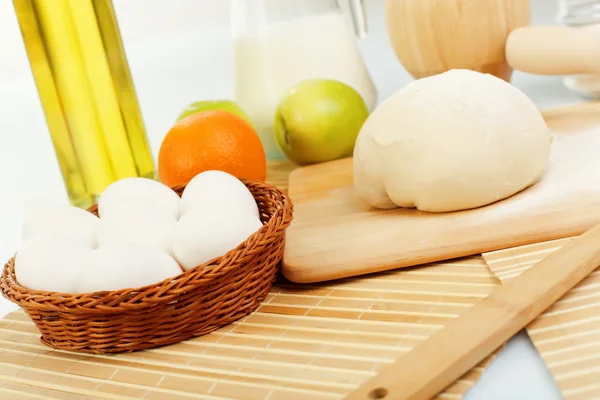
567 335
311 341
305 341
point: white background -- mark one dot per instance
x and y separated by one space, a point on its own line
181 51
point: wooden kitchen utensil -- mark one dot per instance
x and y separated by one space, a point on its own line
431 36
555 50
334 234
433 365
566 335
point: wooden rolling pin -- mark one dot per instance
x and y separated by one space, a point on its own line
462 344
554 50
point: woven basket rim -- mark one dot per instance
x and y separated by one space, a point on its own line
210 270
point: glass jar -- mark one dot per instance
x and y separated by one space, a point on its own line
85 87
278 43
578 12
581 13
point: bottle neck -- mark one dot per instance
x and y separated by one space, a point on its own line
579 12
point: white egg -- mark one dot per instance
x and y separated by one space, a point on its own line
51 263
139 187
202 234
61 220
137 220
116 266
216 189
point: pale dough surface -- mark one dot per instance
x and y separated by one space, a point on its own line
453 141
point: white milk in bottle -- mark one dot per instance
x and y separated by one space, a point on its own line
279 55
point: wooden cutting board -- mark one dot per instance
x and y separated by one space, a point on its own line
334 234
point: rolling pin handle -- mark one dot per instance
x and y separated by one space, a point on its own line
554 50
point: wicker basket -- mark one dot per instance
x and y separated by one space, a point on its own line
193 303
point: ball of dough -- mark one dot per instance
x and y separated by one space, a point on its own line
453 141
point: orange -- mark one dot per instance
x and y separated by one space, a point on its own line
211 140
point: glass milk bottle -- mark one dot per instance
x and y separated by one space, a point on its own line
279 43
581 13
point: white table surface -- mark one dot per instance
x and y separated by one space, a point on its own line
182 54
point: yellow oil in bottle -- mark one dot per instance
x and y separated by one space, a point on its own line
85 87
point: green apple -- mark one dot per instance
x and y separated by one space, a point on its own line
318 120
209 105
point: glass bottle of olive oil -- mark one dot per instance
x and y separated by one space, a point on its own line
78 62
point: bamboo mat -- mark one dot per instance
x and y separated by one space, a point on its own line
318 341
312 341
568 334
